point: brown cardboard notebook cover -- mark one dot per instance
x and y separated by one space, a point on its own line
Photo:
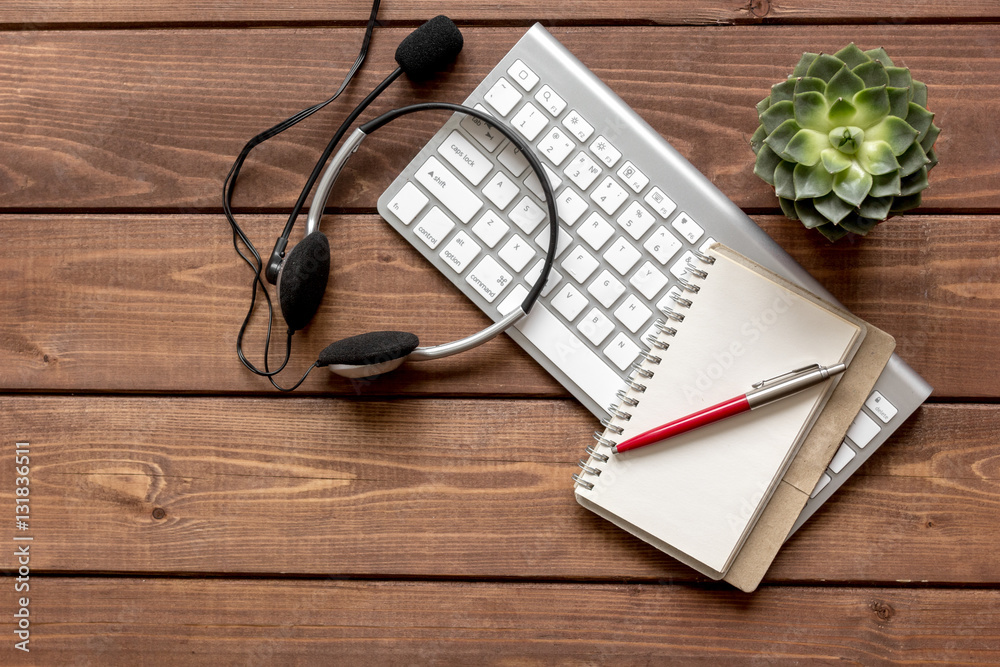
816 451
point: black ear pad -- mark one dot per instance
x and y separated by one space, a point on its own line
303 279
374 347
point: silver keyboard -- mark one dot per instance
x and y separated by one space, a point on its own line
632 213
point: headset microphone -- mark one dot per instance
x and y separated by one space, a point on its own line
425 52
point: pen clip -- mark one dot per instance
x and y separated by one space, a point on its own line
786 376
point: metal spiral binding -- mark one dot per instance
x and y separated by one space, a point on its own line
656 342
642 372
651 358
603 458
671 314
606 423
639 371
624 398
619 413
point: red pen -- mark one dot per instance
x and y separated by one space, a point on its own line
764 392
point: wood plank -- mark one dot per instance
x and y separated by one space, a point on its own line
24 14
151 120
457 488
154 303
195 622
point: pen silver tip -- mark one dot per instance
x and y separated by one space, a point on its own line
614 449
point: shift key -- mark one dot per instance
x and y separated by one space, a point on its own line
445 185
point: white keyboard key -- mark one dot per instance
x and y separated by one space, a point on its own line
460 251
662 245
527 214
596 231
489 278
609 195
604 151
622 351
596 326
487 135
516 252
407 203
502 96
562 243
636 220
705 245
433 227
554 277
522 75
556 146
490 228
535 185
687 227
570 301
633 178
529 121
579 264
606 289
882 408
583 171
577 125
681 269
501 190
583 367
465 158
632 313
451 192
570 206
842 457
660 202
820 485
648 280
550 101
511 158
513 300
622 255
862 430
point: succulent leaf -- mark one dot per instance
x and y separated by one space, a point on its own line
781 135
811 109
767 162
777 114
845 141
834 161
876 158
824 66
814 181
844 83
804 63
872 105
894 131
852 184
873 74
784 184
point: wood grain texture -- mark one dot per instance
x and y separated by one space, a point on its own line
194 622
154 303
151 120
457 488
27 14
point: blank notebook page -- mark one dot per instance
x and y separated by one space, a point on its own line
697 496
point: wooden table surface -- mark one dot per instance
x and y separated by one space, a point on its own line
184 512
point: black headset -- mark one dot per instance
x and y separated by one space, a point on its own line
301 276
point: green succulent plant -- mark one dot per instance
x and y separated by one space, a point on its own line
846 141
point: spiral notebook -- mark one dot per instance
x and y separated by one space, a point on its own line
698 496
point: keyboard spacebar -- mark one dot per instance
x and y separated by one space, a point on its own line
571 355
